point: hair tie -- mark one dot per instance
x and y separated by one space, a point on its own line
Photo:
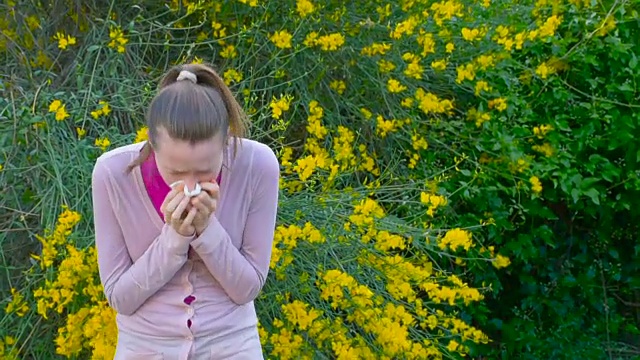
187 75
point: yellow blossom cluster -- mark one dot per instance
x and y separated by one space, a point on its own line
92 325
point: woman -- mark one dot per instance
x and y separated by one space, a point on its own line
182 269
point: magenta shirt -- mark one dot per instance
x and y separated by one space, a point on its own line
158 189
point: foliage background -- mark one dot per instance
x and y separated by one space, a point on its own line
402 127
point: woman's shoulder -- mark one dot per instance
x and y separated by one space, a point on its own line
116 161
255 156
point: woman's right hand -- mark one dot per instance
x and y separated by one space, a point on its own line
173 209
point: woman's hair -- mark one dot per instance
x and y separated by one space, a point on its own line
192 104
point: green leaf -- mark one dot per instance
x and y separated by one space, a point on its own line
93 48
633 63
594 194
575 194
588 182
614 254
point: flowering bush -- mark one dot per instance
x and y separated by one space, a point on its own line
425 147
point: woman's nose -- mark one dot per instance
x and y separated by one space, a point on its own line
190 183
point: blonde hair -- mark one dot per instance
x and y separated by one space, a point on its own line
193 104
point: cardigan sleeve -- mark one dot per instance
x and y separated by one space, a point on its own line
242 272
128 284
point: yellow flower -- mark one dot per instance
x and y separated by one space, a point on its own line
305 167
385 66
414 68
103 110
304 7
465 72
501 262
446 10
55 105
431 200
542 130
229 52
450 47
310 39
384 127
17 304
482 86
536 185
439 65
118 41
103 143
470 34
338 85
64 41
543 70
376 49
546 149
59 109
485 61
331 42
142 135
33 22
550 26
81 132
252 3
394 86
281 39
455 239
499 104
278 106
479 117
231 76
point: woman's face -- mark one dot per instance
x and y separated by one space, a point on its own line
178 160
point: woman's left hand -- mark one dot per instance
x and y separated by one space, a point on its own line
206 203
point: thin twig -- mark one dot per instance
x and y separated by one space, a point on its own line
606 312
626 303
633 106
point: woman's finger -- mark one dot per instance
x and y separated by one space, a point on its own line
168 207
174 202
206 200
188 221
202 208
211 188
177 214
170 196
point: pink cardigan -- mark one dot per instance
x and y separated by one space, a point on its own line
144 265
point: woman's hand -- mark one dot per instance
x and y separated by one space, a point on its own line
205 203
173 208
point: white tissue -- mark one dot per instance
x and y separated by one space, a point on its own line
195 192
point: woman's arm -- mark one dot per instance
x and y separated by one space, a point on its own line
127 284
242 273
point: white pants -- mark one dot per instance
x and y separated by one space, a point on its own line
241 345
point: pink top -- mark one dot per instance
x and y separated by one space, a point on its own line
144 265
